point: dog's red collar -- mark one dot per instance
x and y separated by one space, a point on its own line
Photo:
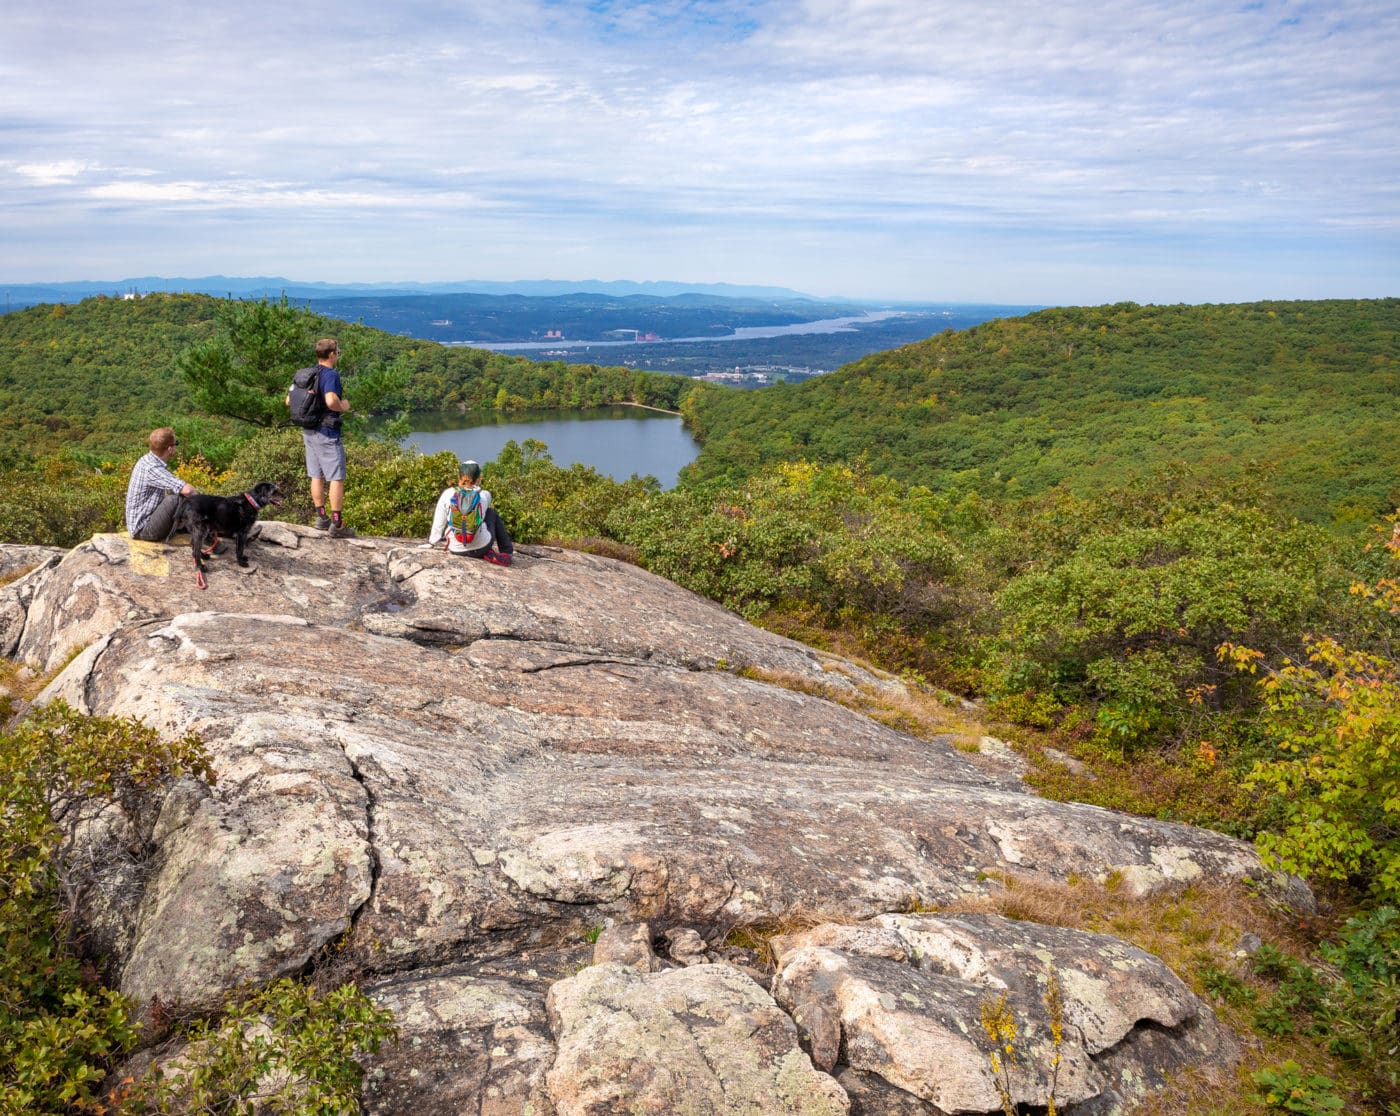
249 497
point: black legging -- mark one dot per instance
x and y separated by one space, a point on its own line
498 531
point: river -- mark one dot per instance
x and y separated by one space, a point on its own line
743 333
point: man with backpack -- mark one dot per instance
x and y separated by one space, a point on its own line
316 406
468 522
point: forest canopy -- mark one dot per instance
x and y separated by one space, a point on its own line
1092 396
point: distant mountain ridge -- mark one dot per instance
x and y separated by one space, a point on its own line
19 295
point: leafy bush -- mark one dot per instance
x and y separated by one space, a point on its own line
60 1030
279 455
1130 617
1336 720
858 548
395 493
57 501
1350 1003
1297 997
1363 1010
283 1050
1287 1088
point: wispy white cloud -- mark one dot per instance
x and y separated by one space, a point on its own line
51 174
852 146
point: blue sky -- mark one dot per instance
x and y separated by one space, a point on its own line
1152 150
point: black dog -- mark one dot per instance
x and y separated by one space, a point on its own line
208 517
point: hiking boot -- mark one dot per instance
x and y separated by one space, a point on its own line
323 523
496 558
341 531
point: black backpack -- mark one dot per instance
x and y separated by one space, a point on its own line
307 400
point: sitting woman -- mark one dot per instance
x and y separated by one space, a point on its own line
466 519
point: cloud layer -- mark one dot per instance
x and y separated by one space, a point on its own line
1159 150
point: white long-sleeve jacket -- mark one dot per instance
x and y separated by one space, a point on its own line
480 541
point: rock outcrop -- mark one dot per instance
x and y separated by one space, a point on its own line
454 775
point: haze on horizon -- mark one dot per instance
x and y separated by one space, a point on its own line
1011 152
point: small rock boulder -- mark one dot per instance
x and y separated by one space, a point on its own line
687 1042
916 1021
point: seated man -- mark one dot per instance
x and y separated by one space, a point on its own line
153 493
467 520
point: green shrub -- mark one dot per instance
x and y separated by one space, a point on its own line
279 455
1297 996
283 1050
396 495
1128 615
60 1030
1286 1088
860 549
59 501
1225 987
1363 1010
1350 1003
1335 717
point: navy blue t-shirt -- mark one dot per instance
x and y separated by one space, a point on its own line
330 382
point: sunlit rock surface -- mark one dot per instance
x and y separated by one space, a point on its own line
458 773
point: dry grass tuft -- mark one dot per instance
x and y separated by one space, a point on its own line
918 710
14 575
758 936
1186 927
604 548
21 683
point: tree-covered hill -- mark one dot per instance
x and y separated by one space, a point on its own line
89 376
1092 396
89 373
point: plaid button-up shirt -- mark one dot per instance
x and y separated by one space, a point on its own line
151 479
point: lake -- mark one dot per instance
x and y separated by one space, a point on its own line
617 441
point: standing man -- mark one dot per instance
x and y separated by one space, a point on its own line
325 452
153 493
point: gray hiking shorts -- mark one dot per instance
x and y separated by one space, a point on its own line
325 455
